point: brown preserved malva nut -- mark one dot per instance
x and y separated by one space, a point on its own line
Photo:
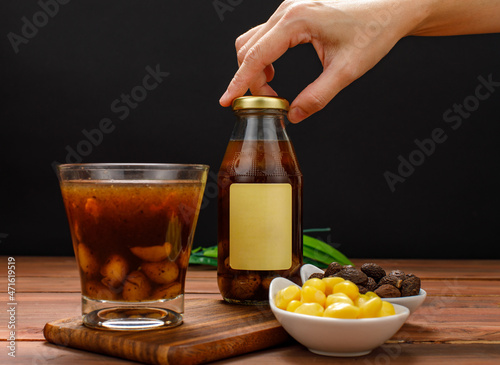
224 284
97 290
398 274
356 276
332 269
244 286
152 253
168 291
87 261
391 280
373 270
388 291
371 284
266 282
136 287
316 275
226 263
410 286
163 272
362 289
114 271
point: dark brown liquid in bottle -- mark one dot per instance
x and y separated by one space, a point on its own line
257 161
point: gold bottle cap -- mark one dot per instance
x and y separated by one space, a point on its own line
260 102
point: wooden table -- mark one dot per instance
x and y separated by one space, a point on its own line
459 323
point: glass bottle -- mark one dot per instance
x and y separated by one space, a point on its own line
259 203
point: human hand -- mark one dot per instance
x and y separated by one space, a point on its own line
349 36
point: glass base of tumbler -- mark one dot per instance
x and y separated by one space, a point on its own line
126 316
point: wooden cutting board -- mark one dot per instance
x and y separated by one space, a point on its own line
212 330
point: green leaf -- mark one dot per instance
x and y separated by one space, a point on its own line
317 255
315 252
210 251
316 230
196 250
202 260
308 260
315 249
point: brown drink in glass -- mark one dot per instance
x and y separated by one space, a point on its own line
132 235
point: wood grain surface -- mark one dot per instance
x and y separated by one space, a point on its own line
459 323
212 330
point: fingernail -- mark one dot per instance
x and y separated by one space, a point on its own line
296 115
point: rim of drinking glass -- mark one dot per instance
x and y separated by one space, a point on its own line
131 166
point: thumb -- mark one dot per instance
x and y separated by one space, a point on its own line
317 94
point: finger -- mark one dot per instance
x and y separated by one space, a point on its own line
242 40
267 50
261 87
264 90
269 71
250 42
317 94
251 37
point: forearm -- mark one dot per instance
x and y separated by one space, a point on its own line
457 17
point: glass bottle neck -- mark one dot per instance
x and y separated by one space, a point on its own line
254 124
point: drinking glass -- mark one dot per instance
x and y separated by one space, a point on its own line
132 227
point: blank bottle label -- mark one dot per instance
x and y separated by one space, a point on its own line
260 226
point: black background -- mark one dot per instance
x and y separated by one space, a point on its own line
65 78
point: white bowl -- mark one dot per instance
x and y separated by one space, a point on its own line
411 302
334 336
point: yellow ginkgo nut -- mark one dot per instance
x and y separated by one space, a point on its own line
286 295
341 310
315 282
338 298
360 300
370 308
348 288
293 305
310 294
387 309
344 301
330 282
312 309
